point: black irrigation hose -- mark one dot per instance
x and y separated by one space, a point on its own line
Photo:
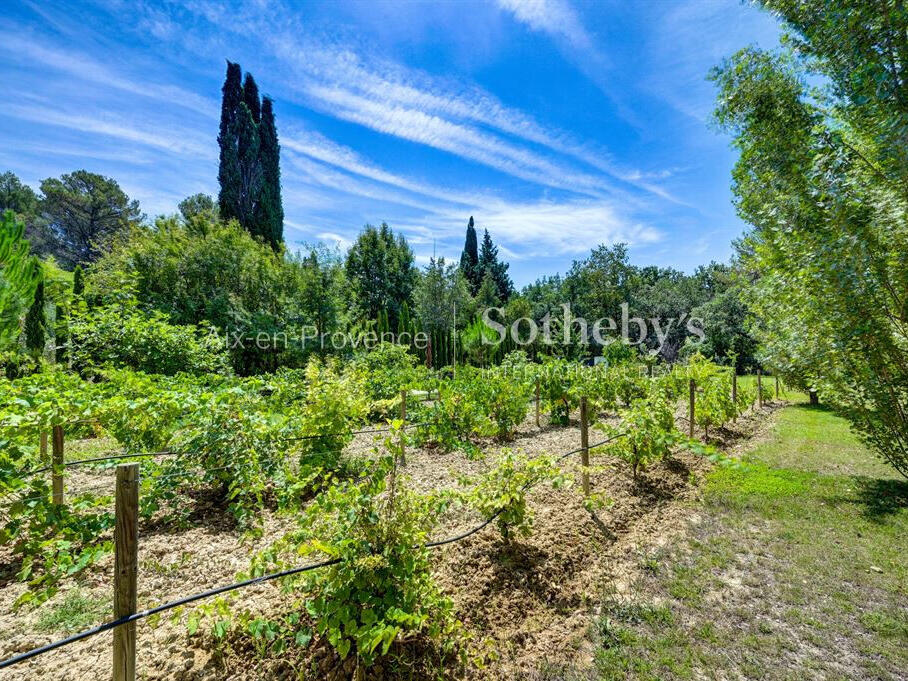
451 540
107 626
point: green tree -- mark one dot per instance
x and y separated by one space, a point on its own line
822 179
250 172
320 285
22 200
229 175
270 207
218 275
441 288
84 211
469 259
35 322
16 196
20 273
487 295
380 273
489 262
251 98
249 165
198 205
78 281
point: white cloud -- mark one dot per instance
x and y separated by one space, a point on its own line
176 140
555 17
321 148
84 68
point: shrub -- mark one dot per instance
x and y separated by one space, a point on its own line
503 490
387 370
382 589
455 416
124 336
504 398
646 432
332 407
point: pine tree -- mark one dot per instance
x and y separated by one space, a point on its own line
229 175
271 210
487 296
251 98
35 322
488 262
78 281
469 260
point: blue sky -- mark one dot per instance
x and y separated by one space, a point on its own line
558 124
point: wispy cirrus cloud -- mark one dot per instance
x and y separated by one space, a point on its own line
172 139
555 17
74 63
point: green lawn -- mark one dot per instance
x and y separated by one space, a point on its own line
797 569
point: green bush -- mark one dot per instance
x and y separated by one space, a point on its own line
503 490
124 336
504 398
382 589
388 369
333 406
216 273
646 432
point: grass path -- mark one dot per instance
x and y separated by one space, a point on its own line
796 568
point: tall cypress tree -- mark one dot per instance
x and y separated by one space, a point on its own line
271 210
251 97
469 259
249 169
35 321
229 176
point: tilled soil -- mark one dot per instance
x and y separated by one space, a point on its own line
525 605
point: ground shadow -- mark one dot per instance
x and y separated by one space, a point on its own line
881 497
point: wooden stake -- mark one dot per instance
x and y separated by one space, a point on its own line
734 393
760 388
777 387
538 422
403 418
42 446
126 568
690 411
585 446
57 470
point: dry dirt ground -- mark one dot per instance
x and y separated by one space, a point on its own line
527 607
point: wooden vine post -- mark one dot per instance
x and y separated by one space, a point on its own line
42 447
691 407
57 465
403 419
538 422
734 393
777 387
759 388
585 446
126 568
